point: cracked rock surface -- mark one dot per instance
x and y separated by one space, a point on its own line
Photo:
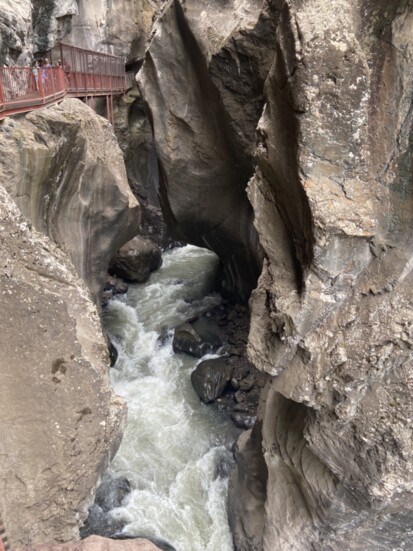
60 422
65 170
315 114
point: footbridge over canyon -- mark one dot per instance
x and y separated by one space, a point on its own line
74 72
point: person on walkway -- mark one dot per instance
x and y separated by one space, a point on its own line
35 72
45 72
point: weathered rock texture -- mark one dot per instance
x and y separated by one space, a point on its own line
122 27
203 146
118 27
28 27
96 543
65 170
332 314
330 184
60 423
15 30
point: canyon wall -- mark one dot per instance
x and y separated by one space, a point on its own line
28 27
282 135
65 170
310 102
60 422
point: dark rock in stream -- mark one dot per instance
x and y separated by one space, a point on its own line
113 353
231 382
112 493
109 495
210 378
136 260
198 338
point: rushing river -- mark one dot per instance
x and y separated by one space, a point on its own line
174 447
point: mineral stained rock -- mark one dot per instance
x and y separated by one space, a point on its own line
65 170
332 314
203 170
60 423
97 543
328 88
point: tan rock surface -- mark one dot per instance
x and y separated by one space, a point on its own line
66 171
60 423
97 543
332 201
332 312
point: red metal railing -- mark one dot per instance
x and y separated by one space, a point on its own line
22 89
82 73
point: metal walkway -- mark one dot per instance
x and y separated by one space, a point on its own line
81 74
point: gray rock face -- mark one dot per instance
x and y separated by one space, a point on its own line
52 21
331 315
60 423
123 27
203 168
15 30
65 170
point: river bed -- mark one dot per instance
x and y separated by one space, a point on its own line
175 450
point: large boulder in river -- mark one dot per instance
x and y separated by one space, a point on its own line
210 378
135 260
198 338
66 172
60 423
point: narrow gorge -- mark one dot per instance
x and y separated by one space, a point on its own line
265 148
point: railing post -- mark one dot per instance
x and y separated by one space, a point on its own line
40 83
2 102
61 79
52 73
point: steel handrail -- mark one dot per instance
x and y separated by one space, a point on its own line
82 73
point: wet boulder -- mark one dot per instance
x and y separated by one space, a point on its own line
198 338
136 260
112 492
210 378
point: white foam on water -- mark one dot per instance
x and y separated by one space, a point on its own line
173 444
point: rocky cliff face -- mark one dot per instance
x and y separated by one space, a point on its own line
309 105
59 421
65 170
117 27
328 88
123 28
196 81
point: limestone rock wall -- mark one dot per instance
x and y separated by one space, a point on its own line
15 31
331 316
203 145
122 28
316 114
60 423
32 26
65 170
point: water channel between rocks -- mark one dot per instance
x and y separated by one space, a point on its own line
174 448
